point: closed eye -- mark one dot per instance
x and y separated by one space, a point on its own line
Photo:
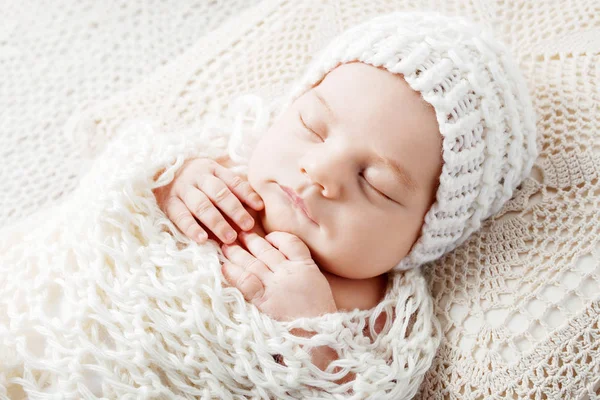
307 128
375 189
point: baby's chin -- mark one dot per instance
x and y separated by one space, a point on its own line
277 222
272 222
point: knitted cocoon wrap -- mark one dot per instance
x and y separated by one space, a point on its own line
116 302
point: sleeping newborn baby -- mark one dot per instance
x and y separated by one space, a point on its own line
400 139
344 169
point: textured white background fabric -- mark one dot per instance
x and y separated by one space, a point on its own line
56 57
519 303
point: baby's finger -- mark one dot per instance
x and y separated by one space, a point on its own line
206 212
221 196
239 187
245 281
238 255
289 245
262 249
181 216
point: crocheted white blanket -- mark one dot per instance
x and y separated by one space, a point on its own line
518 303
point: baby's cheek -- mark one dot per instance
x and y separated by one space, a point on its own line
256 176
340 256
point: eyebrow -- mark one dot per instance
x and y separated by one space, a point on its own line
324 104
401 174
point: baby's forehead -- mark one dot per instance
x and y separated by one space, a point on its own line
378 83
372 99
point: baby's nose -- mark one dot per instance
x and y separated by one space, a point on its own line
328 176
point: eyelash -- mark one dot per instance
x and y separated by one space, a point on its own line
307 128
373 188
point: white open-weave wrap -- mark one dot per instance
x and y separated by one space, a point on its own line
114 302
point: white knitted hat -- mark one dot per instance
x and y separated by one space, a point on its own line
482 107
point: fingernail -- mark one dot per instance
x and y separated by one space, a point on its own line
201 236
230 235
247 223
257 200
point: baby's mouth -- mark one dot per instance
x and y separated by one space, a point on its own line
297 201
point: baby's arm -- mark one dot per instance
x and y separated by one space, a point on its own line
349 294
322 356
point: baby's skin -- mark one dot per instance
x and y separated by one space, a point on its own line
337 191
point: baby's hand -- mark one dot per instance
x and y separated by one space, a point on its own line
278 275
203 188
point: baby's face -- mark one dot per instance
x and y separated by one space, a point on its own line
363 152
